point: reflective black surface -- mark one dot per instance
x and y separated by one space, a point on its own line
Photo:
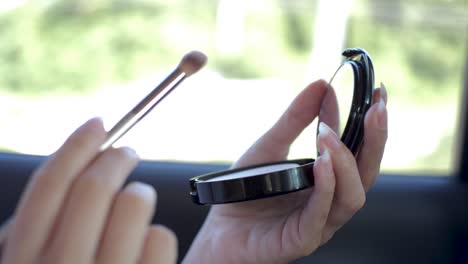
206 191
349 96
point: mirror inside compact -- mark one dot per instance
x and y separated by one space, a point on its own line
346 100
336 104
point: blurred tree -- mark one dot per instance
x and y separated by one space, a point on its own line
80 7
298 21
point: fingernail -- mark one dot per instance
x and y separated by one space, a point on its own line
382 115
93 125
325 156
383 92
325 129
95 122
327 137
143 190
130 151
97 119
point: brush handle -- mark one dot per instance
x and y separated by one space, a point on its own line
143 108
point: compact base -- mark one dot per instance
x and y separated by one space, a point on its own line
254 182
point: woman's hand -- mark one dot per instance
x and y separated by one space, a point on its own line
283 228
74 210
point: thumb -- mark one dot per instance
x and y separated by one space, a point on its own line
274 144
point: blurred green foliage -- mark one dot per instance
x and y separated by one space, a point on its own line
424 62
76 46
72 47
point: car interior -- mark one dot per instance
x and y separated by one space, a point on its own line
413 217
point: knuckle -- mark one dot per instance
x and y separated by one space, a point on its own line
362 199
326 236
355 204
309 248
323 216
307 245
369 182
43 180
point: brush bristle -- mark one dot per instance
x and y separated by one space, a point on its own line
192 62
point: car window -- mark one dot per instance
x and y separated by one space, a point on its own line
63 61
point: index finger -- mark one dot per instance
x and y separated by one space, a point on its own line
48 187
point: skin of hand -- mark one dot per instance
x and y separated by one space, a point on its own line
74 209
283 228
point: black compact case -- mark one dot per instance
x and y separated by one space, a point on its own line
277 178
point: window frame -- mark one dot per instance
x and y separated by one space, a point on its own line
463 125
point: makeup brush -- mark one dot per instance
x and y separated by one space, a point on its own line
190 64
